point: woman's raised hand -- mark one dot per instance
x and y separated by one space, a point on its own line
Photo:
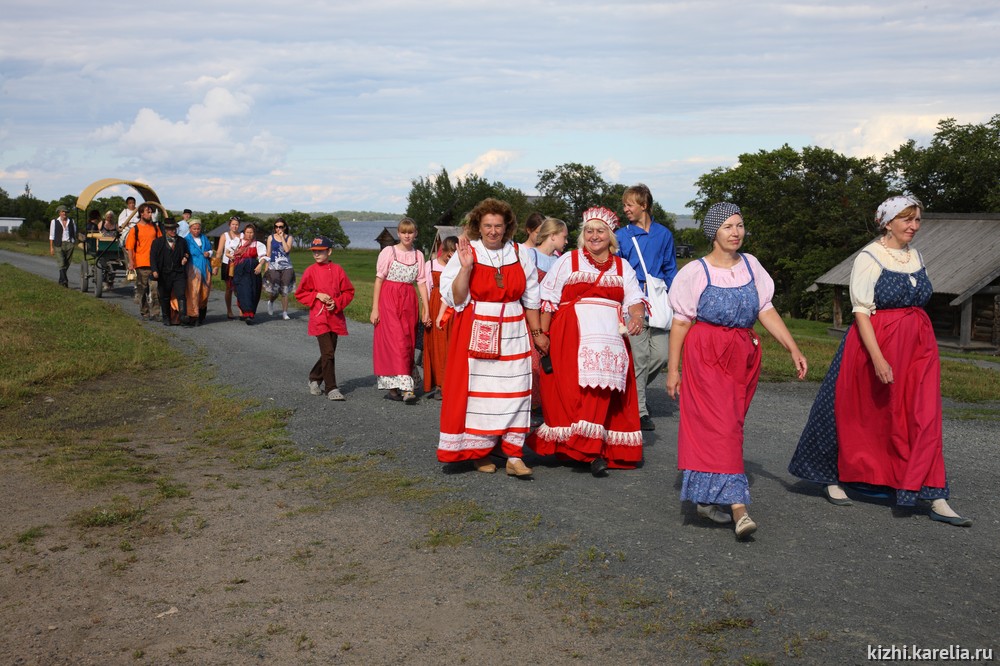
465 255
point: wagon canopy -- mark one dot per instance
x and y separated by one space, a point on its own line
92 190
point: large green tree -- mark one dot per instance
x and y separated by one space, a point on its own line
436 200
571 188
805 212
305 227
956 173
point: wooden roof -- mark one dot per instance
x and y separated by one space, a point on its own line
961 251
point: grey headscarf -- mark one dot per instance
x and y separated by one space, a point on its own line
715 216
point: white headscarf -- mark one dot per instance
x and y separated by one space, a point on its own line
892 206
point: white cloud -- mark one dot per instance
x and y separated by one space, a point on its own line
880 135
490 162
208 137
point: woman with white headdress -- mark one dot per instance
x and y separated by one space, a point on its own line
877 418
589 395
717 300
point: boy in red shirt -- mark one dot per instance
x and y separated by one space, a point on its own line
326 290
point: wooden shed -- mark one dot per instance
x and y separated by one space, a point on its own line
440 233
962 254
388 236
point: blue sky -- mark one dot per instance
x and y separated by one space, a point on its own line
321 106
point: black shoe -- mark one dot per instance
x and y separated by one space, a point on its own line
599 467
836 501
957 521
646 423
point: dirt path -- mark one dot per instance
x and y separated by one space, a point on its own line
564 568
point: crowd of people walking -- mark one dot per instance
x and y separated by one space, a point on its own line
577 336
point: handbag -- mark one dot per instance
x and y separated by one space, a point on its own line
485 339
661 315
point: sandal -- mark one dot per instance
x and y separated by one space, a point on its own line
409 397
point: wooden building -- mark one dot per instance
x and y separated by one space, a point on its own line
388 236
440 233
962 254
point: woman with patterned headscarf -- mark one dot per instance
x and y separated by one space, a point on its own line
589 399
716 302
877 418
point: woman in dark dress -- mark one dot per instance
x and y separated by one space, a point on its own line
877 418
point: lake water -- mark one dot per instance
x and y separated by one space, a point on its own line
363 234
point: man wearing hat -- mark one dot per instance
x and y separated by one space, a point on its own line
168 258
62 231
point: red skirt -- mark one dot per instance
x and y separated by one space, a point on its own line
891 434
396 332
583 423
720 373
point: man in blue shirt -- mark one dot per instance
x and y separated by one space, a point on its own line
649 346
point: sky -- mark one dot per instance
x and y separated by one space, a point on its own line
320 106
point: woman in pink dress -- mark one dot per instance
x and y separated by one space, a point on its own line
717 300
394 313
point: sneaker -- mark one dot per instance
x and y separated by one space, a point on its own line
745 527
714 513
270 308
284 315
315 389
335 394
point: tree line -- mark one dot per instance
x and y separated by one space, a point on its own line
806 210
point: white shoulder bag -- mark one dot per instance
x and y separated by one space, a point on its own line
661 315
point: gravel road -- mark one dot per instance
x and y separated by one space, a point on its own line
835 579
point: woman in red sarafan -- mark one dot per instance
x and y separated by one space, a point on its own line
493 288
589 399
436 335
876 420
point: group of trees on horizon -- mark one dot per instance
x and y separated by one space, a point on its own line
806 210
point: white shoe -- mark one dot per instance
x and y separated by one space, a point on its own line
284 315
270 308
714 513
745 527
315 389
335 394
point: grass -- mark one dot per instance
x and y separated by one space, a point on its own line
50 341
962 382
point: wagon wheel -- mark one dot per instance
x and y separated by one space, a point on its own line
84 276
98 284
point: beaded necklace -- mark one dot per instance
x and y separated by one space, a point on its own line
892 252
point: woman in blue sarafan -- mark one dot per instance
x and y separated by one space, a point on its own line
876 420
717 300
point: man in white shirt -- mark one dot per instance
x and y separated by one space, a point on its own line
62 232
